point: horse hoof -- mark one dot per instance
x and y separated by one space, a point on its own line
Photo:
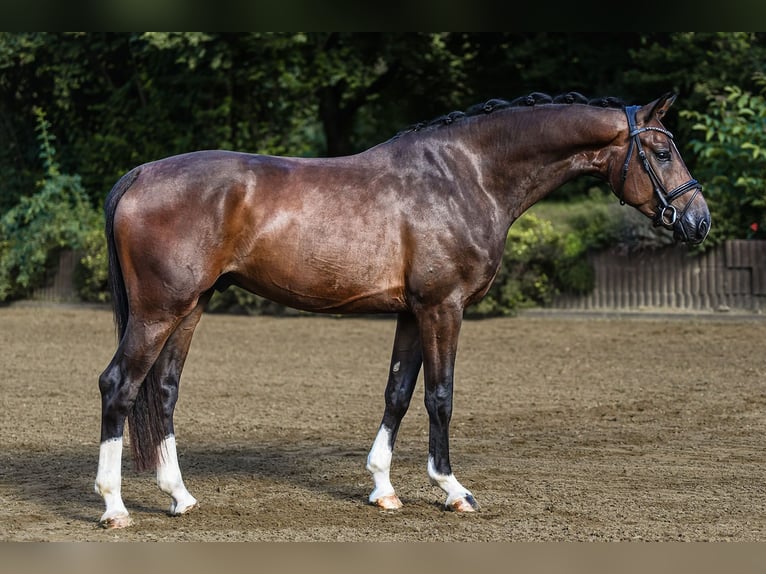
178 510
465 503
116 522
388 502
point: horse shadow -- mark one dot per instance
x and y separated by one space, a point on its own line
61 480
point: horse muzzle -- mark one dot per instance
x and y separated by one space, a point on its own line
692 227
692 224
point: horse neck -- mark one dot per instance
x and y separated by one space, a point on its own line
529 152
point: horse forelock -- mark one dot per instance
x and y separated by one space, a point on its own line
495 104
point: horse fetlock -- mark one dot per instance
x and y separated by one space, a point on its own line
459 498
182 501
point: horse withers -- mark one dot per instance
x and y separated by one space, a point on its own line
414 226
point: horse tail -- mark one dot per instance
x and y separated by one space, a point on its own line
145 419
116 280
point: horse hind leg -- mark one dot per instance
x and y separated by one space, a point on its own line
119 385
170 363
406 360
169 479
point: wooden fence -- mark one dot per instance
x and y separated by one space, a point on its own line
730 276
60 284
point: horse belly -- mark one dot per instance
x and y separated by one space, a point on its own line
323 272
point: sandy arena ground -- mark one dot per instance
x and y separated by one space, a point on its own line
565 428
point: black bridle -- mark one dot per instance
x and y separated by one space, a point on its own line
667 214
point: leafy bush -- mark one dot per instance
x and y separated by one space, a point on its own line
91 273
732 165
32 233
602 223
539 262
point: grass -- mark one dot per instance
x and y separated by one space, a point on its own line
563 209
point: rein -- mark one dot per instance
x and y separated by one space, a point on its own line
667 215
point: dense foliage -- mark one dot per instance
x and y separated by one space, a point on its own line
731 147
57 216
113 100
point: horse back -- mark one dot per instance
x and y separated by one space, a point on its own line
353 234
295 231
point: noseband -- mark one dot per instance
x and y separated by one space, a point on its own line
667 215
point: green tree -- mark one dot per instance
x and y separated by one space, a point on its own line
732 160
694 65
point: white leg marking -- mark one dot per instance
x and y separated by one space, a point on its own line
458 497
109 483
169 478
379 464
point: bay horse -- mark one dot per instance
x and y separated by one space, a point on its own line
414 226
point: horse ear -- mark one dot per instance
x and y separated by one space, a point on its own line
657 109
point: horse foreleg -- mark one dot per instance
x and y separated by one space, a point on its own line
439 331
406 360
171 363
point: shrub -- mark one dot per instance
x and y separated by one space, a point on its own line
732 165
539 262
32 233
91 273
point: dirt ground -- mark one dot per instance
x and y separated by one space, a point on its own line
565 428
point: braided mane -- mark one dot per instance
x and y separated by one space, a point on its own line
533 99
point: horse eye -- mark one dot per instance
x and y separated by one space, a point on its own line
663 155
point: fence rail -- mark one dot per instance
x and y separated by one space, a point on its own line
730 276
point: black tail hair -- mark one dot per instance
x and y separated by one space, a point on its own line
145 420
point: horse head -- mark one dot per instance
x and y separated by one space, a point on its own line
653 177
